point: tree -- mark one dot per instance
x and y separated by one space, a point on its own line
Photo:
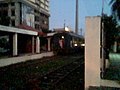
115 8
111 31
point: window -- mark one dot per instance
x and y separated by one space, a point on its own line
36 18
4 5
37 26
12 4
5 13
12 12
13 22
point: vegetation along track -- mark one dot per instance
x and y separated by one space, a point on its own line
55 77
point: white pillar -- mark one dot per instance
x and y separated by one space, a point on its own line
9 12
92 52
17 13
115 47
15 50
33 44
37 45
49 46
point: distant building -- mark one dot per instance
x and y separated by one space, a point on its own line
59 29
65 29
20 13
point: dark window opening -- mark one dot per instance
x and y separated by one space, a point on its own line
12 4
36 18
36 11
37 26
0 13
13 22
4 19
3 5
12 12
43 21
5 13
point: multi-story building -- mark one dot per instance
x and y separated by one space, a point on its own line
33 13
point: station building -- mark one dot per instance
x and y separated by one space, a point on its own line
24 24
34 13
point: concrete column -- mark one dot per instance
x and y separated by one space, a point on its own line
115 47
37 45
92 52
9 12
49 46
17 13
33 44
15 48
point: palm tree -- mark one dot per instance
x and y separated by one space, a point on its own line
115 8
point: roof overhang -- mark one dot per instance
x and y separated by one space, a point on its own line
17 30
51 34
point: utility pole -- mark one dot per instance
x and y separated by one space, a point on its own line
102 44
76 18
64 24
81 31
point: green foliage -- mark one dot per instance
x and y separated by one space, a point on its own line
111 30
115 9
112 73
3 42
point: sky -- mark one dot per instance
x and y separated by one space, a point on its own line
63 11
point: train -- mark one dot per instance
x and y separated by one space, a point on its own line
67 43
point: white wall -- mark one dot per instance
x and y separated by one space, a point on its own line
92 52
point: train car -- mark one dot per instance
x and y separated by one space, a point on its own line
66 43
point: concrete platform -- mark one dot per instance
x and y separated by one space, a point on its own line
106 85
110 83
13 60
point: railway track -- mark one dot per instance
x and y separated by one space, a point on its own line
33 74
55 77
32 62
74 81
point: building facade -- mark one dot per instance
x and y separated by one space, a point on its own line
33 13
